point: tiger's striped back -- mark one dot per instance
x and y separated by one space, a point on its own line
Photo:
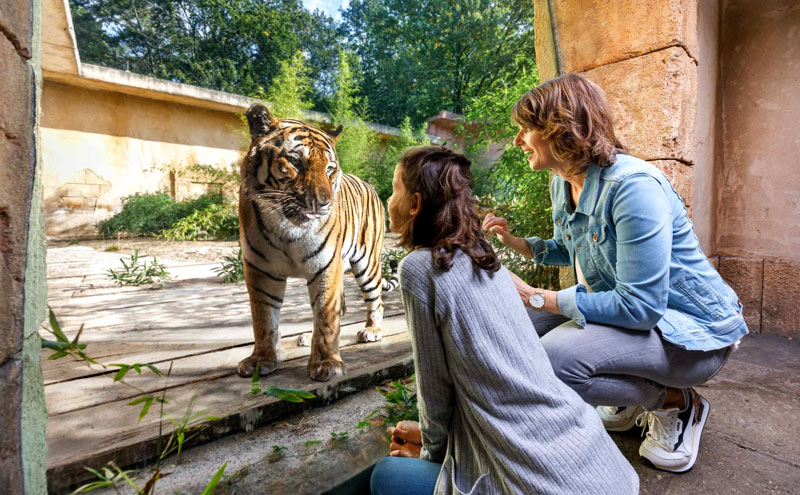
301 216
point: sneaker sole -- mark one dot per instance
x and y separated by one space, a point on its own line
629 425
696 436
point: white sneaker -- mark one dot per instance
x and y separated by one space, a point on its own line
619 418
673 436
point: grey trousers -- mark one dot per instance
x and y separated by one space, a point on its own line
613 366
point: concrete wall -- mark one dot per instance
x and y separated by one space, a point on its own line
757 180
100 146
642 54
22 270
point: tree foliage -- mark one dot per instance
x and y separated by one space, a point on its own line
288 94
423 56
229 45
514 191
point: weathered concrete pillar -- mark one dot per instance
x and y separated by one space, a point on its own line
22 270
644 55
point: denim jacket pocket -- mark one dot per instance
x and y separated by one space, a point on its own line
603 249
446 483
701 296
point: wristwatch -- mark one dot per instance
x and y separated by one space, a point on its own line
537 299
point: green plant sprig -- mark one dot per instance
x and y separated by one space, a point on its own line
138 272
296 395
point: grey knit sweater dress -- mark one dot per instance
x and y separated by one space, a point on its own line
491 409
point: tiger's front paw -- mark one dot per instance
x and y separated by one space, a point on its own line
370 334
322 371
266 365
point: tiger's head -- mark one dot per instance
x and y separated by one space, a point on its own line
291 167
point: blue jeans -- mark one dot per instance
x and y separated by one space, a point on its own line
613 366
404 476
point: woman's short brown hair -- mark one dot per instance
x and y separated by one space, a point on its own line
572 113
448 217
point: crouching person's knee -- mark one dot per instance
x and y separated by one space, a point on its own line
568 365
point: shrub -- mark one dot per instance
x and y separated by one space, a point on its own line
231 269
214 222
138 272
149 214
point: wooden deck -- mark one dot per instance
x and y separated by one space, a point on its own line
202 328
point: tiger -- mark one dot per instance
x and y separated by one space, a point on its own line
301 216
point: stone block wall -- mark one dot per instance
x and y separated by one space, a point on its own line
22 282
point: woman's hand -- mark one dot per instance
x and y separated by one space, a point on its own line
406 439
499 227
525 291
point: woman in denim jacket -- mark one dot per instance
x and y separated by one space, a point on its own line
649 317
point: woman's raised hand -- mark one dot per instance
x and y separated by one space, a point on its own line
499 227
406 439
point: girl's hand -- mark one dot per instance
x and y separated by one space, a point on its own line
499 227
406 439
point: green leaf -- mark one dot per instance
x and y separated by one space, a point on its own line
255 383
55 327
213 483
77 336
123 370
313 442
363 424
58 355
137 367
145 408
154 369
289 394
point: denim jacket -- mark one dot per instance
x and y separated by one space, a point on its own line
638 251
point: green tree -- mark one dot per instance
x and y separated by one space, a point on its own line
422 56
288 93
357 143
229 45
513 190
384 159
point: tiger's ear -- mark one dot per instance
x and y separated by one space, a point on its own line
260 120
334 134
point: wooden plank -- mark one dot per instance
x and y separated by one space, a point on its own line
65 397
94 436
118 350
113 312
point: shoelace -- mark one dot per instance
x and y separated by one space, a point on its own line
661 427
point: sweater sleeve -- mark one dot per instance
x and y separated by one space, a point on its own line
435 393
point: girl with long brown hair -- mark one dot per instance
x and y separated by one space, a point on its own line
493 416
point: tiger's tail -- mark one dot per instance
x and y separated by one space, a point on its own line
394 280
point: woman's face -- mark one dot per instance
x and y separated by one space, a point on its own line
540 157
401 204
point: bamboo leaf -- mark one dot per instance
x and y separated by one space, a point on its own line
123 370
213 483
147 404
154 369
56 327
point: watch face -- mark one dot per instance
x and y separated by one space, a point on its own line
537 301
